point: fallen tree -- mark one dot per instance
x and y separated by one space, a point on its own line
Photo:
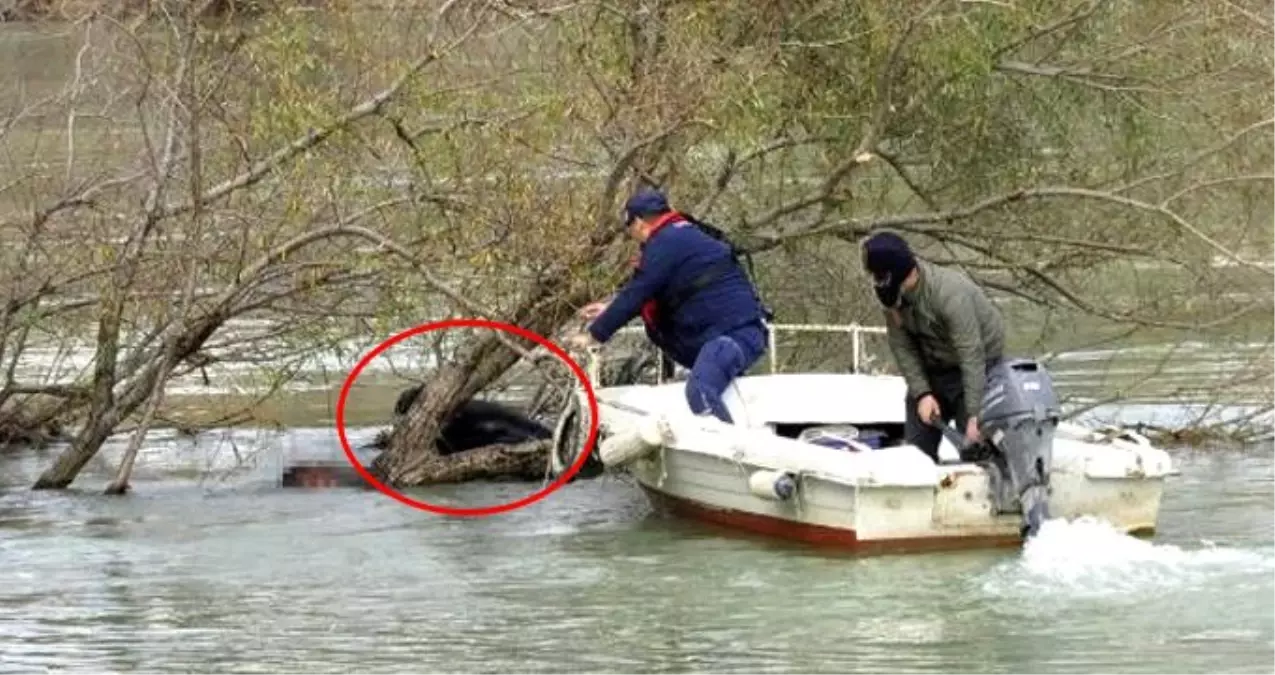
411 456
491 439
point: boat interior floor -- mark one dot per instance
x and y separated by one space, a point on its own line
883 435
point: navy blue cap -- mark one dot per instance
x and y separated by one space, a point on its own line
889 260
645 203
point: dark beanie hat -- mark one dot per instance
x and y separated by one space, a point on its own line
889 260
645 203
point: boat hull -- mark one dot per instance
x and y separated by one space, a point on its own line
955 512
813 534
760 474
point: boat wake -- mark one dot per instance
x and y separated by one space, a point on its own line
1088 558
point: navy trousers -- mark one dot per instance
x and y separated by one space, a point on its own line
719 362
949 389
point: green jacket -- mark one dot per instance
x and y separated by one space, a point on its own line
946 322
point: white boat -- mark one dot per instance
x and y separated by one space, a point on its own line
802 462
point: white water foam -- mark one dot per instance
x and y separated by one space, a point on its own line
1088 558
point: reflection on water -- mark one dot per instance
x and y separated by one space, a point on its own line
236 576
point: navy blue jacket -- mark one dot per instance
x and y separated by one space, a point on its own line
673 257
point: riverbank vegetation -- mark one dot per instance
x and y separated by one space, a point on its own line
178 194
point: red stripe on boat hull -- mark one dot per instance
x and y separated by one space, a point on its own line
818 535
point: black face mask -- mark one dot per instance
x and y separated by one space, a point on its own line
889 293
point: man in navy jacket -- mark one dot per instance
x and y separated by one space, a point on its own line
698 305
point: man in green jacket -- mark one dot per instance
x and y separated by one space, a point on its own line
945 335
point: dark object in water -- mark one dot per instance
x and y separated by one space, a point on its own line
478 423
322 475
330 471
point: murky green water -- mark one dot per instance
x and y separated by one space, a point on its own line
228 574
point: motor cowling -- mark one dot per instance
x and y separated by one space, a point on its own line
1020 415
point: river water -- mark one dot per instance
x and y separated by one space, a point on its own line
203 569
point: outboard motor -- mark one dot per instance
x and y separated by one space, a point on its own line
1020 414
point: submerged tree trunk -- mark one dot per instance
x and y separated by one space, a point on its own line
119 486
104 404
102 420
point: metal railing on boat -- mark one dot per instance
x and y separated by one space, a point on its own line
855 330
